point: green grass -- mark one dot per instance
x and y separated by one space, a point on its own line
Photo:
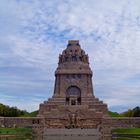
14 130
127 130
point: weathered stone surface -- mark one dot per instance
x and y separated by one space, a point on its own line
73 103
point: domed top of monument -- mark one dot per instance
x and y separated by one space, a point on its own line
73 49
73 45
73 53
73 58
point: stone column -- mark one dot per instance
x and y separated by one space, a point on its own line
106 133
57 85
37 130
89 85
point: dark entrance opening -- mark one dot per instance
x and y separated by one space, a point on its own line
73 102
79 101
67 100
73 96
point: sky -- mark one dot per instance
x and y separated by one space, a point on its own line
34 32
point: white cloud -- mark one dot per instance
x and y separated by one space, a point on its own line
37 31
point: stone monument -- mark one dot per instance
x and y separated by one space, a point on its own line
73 104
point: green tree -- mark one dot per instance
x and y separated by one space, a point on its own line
136 112
132 112
7 111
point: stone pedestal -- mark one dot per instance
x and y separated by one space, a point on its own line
106 133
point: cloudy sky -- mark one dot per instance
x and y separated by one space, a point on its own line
34 32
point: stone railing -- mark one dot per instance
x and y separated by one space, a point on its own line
121 122
21 121
108 123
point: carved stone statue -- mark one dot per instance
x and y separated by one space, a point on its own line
73 120
63 58
69 54
60 58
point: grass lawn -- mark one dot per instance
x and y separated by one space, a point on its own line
127 130
14 130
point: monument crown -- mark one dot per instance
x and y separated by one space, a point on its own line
73 42
73 55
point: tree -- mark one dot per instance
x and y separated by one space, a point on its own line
7 111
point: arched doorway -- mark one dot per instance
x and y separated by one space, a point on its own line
73 95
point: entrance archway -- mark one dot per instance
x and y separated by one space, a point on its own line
73 95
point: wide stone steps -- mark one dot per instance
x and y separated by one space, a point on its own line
70 132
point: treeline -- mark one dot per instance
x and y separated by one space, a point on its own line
135 112
132 112
6 111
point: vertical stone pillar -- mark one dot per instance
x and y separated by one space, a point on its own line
89 85
106 133
57 86
37 130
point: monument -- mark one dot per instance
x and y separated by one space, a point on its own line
73 104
